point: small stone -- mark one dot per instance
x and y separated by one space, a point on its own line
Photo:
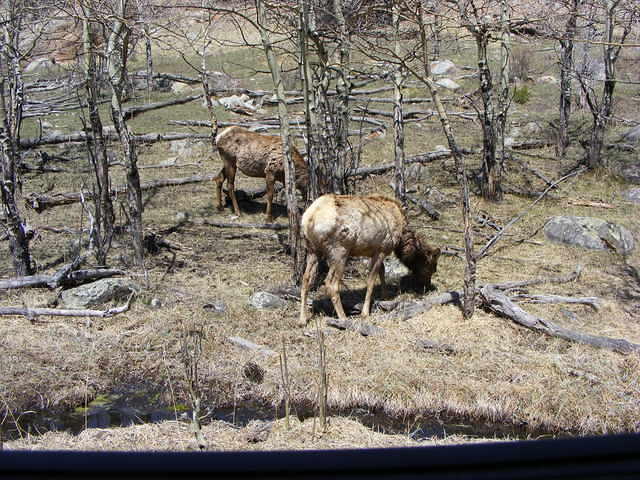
182 217
266 301
216 306
155 303
448 84
547 79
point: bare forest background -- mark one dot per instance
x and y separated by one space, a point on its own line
509 131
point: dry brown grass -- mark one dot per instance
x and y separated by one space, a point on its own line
223 436
503 380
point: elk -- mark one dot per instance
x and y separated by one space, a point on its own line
336 227
256 155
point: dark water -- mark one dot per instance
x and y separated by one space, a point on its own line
131 407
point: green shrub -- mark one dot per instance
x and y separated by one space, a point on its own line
521 95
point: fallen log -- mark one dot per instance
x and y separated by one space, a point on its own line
426 206
63 278
264 226
406 310
41 202
593 302
363 328
538 281
431 346
131 112
33 313
109 134
412 114
51 281
502 305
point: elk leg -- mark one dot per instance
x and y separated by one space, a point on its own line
333 284
271 180
219 181
230 172
309 274
376 264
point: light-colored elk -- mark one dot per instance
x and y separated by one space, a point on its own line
336 227
256 155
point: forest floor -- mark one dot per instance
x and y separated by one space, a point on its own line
498 381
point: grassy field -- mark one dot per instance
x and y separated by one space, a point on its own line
502 381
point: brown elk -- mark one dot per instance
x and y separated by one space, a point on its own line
336 227
256 155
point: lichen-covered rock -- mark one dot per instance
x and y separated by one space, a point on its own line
394 269
589 232
632 195
266 301
98 293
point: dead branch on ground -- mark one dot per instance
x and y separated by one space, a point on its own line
41 202
502 305
33 313
593 302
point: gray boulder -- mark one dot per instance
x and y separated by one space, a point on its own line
266 301
99 293
633 135
441 67
448 84
632 195
589 232
631 173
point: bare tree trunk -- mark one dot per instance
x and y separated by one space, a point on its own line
468 305
343 88
503 95
398 122
97 148
12 98
603 109
297 250
566 71
310 114
436 28
149 57
117 57
490 180
205 85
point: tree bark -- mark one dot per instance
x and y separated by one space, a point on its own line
461 175
104 213
295 241
12 98
343 89
398 122
117 49
566 72
490 180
